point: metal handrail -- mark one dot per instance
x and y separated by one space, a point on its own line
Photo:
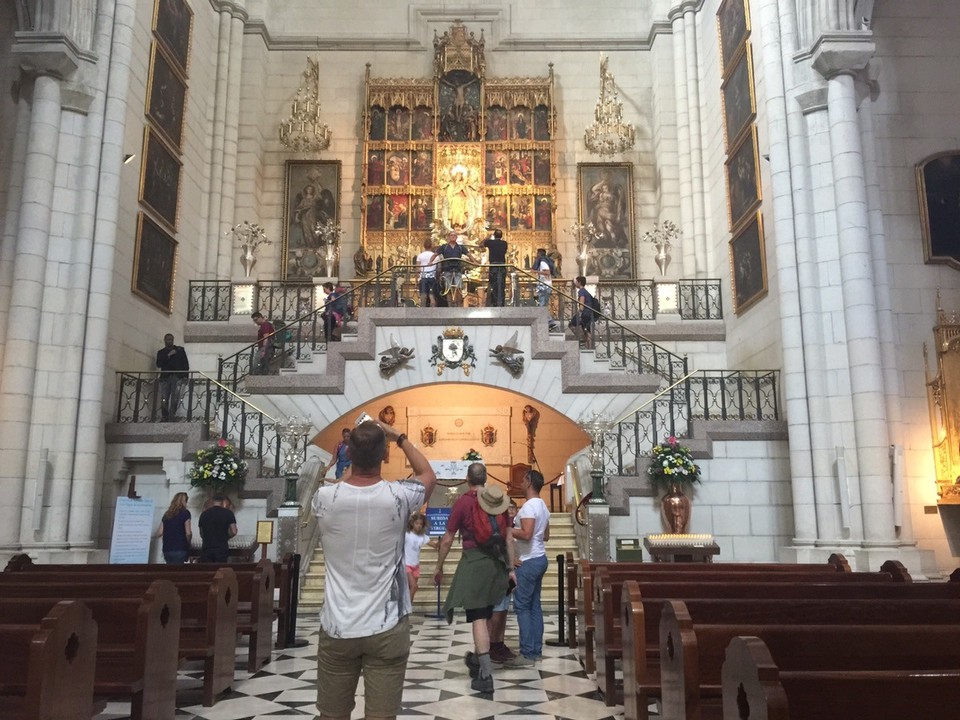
652 400
238 397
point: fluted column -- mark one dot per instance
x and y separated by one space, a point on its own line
683 147
228 190
838 61
217 136
702 256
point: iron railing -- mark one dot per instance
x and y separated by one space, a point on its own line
202 399
210 300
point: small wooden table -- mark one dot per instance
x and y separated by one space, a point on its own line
681 548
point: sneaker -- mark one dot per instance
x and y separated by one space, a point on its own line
482 685
521 661
500 654
473 665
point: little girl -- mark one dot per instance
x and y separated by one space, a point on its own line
415 539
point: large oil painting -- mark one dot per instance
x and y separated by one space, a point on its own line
172 24
154 264
938 183
739 103
743 179
606 200
312 201
733 26
748 266
160 179
166 97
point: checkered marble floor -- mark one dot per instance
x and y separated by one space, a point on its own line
437 684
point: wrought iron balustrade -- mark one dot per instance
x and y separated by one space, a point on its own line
700 300
735 395
210 300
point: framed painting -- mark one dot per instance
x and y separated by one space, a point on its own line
605 192
160 179
748 266
733 26
739 100
743 179
166 97
311 198
938 185
172 24
154 264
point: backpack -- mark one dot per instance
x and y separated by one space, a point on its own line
550 264
489 531
595 305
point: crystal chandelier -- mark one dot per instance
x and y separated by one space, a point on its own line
608 135
303 131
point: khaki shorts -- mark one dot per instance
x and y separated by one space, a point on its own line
382 658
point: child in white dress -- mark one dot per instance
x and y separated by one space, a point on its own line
415 539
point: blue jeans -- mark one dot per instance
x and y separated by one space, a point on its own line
543 295
176 557
526 604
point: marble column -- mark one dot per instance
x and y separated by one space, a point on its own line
702 253
215 224
683 146
228 194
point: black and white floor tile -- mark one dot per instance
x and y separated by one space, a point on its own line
437 684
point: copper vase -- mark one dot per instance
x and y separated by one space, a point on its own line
675 508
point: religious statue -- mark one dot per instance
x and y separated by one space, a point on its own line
362 262
461 198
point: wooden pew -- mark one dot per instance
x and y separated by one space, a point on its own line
578 571
908 672
47 668
255 584
694 636
137 645
641 618
606 638
208 614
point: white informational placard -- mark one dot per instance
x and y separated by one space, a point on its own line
132 528
451 469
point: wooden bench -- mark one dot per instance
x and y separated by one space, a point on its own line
603 624
208 614
641 618
255 585
47 668
137 644
694 636
577 572
903 672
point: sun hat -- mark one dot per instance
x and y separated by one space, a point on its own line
492 499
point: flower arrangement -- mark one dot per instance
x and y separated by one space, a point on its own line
472 455
672 464
250 236
665 233
218 468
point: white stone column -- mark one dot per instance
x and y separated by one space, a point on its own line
702 254
792 331
683 147
215 224
8 244
838 60
228 190
22 337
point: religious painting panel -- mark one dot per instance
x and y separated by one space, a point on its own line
521 167
938 182
398 168
541 167
375 168
605 191
460 185
543 219
160 179
398 212
541 123
154 264
496 123
422 174
422 128
172 22
378 124
497 162
743 180
497 211
739 101
166 97
311 198
521 212
520 123
398 124
748 265
420 213
459 98
374 213
733 26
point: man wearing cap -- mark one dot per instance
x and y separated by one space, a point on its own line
482 576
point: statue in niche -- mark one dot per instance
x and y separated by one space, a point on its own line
463 202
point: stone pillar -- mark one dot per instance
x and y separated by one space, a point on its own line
702 261
838 60
683 147
228 190
215 224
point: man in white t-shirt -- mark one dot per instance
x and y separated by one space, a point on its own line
428 275
363 622
530 533
543 267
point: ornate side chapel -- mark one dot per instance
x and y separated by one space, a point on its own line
457 152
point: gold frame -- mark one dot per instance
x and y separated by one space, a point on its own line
169 41
318 168
750 141
728 55
168 215
158 51
139 284
741 305
925 230
733 139
591 172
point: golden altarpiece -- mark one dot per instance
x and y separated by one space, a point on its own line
458 151
943 392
